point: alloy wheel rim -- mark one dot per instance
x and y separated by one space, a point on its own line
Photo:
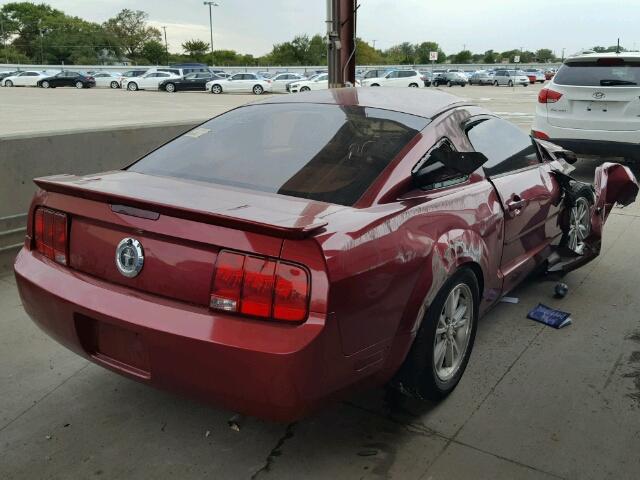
453 332
579 225
78 85
170 88
45 84
257 90
216 89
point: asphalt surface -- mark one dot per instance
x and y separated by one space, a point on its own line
534 403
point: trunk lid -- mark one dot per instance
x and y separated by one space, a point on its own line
181 225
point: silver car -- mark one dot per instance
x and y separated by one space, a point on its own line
510 78
481 78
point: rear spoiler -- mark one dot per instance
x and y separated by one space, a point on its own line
290 228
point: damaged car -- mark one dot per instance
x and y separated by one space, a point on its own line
286 252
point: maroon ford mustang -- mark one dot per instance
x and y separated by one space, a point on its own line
287 251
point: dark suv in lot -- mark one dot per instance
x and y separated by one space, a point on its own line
450 79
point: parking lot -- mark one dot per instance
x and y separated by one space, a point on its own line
535 403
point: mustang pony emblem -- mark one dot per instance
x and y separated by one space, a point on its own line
129 257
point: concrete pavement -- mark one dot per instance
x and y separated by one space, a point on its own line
535 403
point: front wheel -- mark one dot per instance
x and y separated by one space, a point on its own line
495 83
132 86
510 83
258 90
170 87
45 84
305 89
114 84
449 84
216 89
579 201
8 83
79 85
443 345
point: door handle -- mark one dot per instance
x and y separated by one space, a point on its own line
515 204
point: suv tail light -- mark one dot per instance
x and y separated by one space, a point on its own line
260 287
51 234
547 95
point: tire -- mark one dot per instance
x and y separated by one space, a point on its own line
79 85
424 374
216 89
258 90
307 89
436 84
463 85
510 83
413 85
449 84
170 87
132 86
495 83
114 84
8 83
579 200
45 84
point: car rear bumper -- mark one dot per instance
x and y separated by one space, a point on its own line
615 143
264 369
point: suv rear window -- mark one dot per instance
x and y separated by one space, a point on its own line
601 73
328 153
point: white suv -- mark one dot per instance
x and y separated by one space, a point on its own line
592 105
396 78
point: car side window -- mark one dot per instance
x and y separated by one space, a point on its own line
435 173
393 75
237 76
506 146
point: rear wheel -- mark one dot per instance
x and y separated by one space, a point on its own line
579 202
449 84
258 90
510 83
413 85
132 86
305 89
216 89
45 84
8 83
495 83
443 345
114 84
170 87
79 85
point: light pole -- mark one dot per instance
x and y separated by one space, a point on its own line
211 4
166 45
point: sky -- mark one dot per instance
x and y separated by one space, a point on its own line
253 26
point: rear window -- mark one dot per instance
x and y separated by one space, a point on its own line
606 73
328 153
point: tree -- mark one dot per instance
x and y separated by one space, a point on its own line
366 54
131 29
154 52
422 53
195 49
490 57
544 55
463 56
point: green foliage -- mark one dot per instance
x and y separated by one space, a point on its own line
196 49
545 55
463 56
132 31
302 50
154 52
490 57
366 54
612 48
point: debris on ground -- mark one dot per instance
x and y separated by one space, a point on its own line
368 453
513 300
207 434
550 316
561 290
235 422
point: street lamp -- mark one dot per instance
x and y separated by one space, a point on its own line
211 4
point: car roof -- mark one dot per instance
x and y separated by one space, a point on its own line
595 56
421 102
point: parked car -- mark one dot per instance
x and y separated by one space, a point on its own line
282 242
29 78
67 78
280 81
428 76
592 105
481 78
535 75
510 78
107 79
240 83
182 69
318 82
376 73
396 78
549 74
4 75
191 82
450 79
148 81
133 73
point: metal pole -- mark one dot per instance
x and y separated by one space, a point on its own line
4 45
166 45
211 4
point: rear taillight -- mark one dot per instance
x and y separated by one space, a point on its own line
540 135
260 287
547 95
51 234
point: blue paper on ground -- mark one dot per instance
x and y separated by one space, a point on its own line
550 316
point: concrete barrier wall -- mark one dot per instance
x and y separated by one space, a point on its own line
22 158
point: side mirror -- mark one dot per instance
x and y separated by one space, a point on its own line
443 165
